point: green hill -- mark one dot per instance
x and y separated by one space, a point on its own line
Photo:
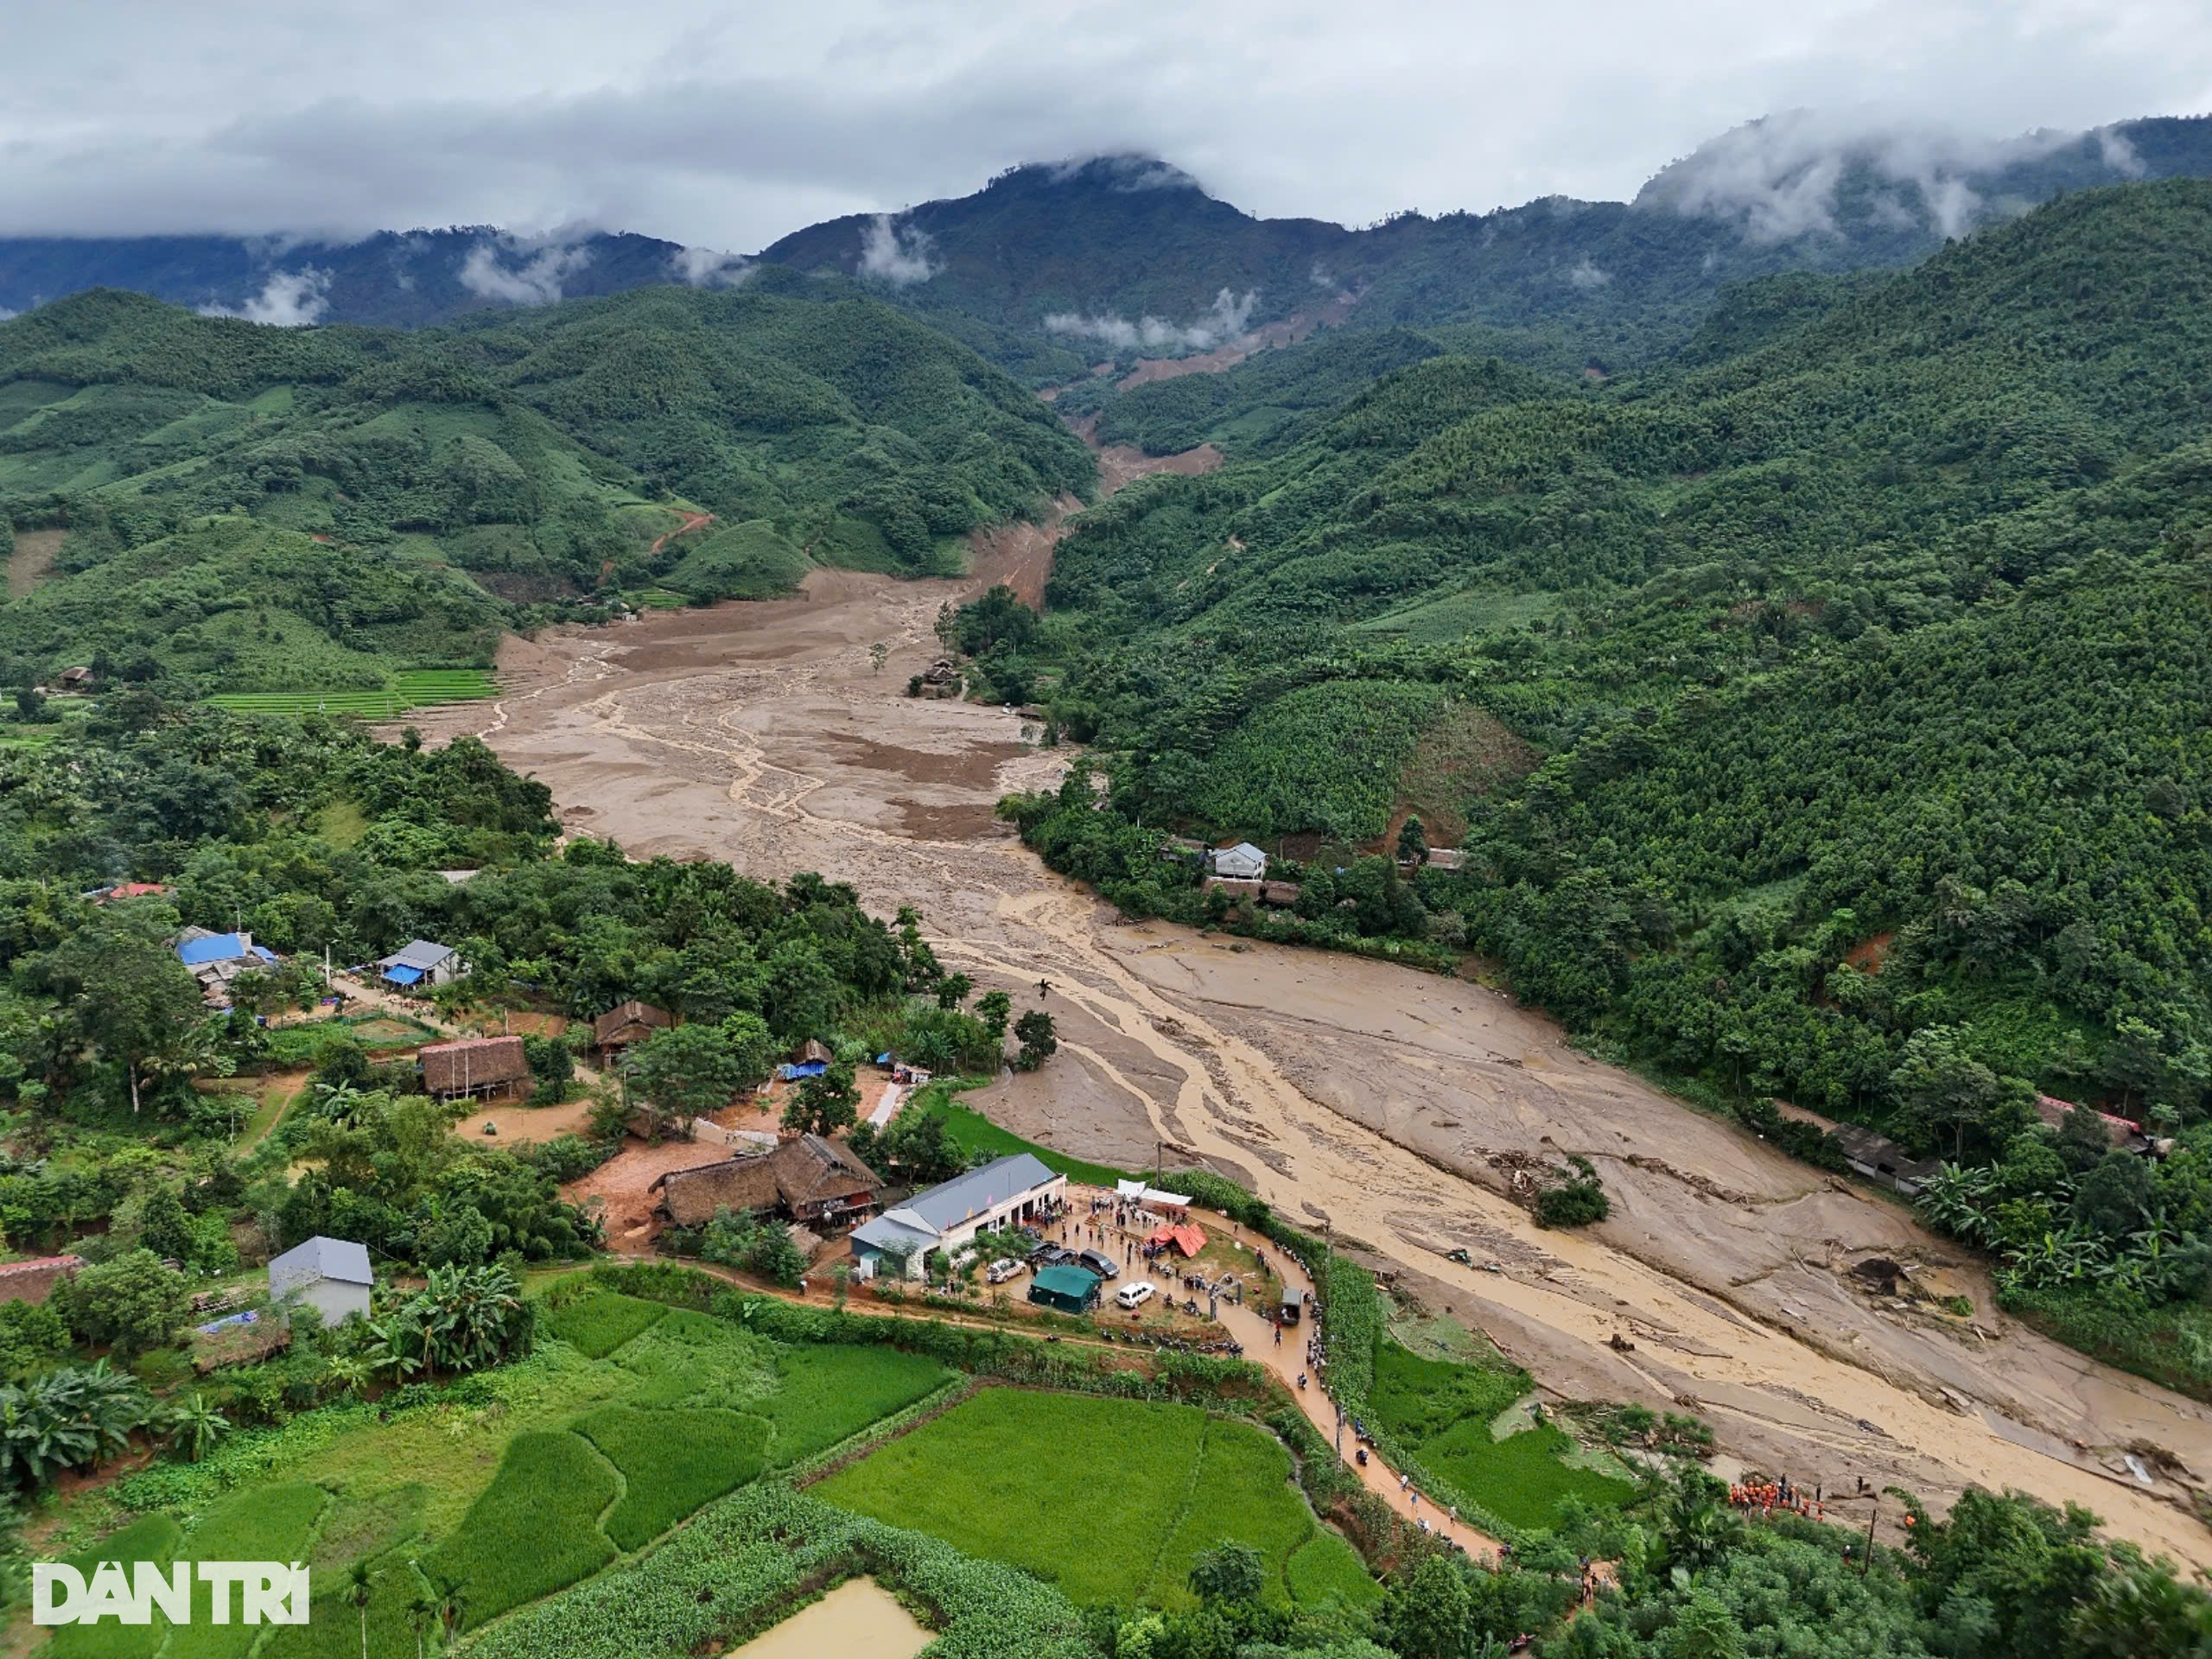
271 509
1891 624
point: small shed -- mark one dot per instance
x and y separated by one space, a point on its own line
1067 1289
421 963
629 1022
331 1275
33 1280
476 1067
74 679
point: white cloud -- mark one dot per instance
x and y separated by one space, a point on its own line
537 280
727 127
2119 155
710 267
289 299
898 254
1226 318
1779 174
1587 276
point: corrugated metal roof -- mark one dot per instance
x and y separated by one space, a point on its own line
979 1190
425 954
343 1258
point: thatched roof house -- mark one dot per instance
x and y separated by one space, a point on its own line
809 1178
475 1066
629 1022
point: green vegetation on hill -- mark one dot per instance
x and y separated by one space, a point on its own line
267 509
1863 668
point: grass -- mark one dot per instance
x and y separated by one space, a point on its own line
411 688
825 1394
1418 1399
1325 1568
534 1530
1110 1500
1445 1412
600 1321
1521 1479
973 1132
672 1460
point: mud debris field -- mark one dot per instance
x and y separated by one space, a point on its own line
1379 1100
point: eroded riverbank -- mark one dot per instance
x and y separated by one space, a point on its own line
1371 1096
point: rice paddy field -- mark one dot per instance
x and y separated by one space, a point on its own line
414 688
628 1418
1108 1500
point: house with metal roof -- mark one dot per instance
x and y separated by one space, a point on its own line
215 959
1242 863
331 1275
421 963
1004 1192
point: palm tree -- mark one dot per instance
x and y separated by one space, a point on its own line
357 1592
418 1613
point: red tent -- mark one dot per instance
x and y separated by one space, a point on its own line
1187 1239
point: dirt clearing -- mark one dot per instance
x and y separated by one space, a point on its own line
35 550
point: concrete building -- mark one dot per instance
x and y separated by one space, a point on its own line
331 1275
1003 1193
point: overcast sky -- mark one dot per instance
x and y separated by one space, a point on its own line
726 125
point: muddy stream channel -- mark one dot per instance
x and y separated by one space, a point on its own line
1370 1097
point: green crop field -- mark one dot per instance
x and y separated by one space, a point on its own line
628 1418
424 687
534 1530
1110 1500
824 1394
672 1460
600 1321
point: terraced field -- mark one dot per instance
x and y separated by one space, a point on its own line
424 687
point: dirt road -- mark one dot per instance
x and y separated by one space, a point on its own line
1370 1096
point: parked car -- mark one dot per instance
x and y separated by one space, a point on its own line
1002 1270
1135 1295
1100 1263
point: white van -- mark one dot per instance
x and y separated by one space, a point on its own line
1135 1295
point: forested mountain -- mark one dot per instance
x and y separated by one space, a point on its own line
1830 720
269 508
1051 268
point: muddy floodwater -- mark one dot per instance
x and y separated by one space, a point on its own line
860 1619
1390 1105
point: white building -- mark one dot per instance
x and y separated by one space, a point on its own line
1242 863
331 1275
1003 1193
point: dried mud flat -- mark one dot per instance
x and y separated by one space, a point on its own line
1381 1100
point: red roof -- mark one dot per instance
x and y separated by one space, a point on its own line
132 890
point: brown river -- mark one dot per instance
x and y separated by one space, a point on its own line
1371 1098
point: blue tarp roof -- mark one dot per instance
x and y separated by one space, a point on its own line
403 975
804 1068
216 947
